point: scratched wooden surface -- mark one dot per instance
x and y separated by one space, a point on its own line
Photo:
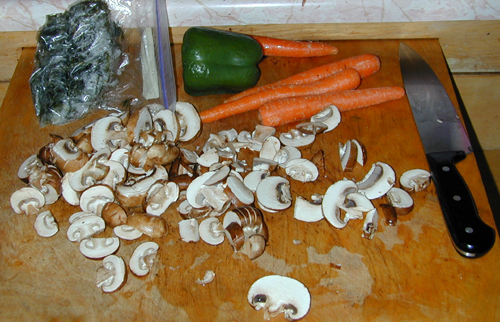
407 272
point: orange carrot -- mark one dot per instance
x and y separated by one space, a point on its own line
343 80
366 65
294 48
284 111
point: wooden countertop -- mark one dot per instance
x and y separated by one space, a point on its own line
407 272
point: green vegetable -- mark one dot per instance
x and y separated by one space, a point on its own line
219 62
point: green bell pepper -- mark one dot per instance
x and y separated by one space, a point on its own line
219 62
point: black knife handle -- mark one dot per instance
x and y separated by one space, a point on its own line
470 235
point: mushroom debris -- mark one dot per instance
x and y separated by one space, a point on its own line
127 169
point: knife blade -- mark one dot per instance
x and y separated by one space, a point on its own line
445 143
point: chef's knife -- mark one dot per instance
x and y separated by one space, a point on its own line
445 143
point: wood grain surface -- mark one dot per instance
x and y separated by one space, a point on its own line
407 272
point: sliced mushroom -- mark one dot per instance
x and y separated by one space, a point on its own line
305 210
302 170
378 181
127 232
27 201
48 180
67 156
85 227
280 294
355 205
189 230
140 127
329 116
45 224
108 132
207 278
211 231
270 147
260 135
193 192
253 178
114 214
348 155
69 194
274 193
254 246
160 196
143 258
152 226
313 128
166 125
238 193
189 121
296 138
95 198
30 165
334 198
208 158
391 217
99 247
401 200
111 275
370 224
286 154
91 173
361 155
415 180
134 195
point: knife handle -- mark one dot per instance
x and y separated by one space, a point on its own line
470 235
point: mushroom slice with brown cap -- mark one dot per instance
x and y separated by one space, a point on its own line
68 193
91 173
140 127
116 175
254 246
329 116
361 155
333 199
401 200
189 121
270 147
152 226
45 224
370 224
415 180
286 154
314 128
143 258
211 231
114 214
85 227
305 210
348 155
95 198
99 247
238 193
48 181
250 219
355 205
31 164
280 294
166 126
378 181
27 201
274 193
160 196
302 170
296 138
189 230
111 275
67 156
127 232
108 132
134 195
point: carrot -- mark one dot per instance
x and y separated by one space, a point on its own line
366 65
294 48
343 80
284 111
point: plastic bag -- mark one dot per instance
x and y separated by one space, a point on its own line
100 55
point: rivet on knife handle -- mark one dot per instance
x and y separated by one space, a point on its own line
470 235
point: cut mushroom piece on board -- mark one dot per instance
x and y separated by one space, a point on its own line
208 158
166 125
211 231
140 127
415 180
355 205
401 200
270 147
308 211
67 156
69 194
207 278
85 227
189 230
274 193
189 121
313 128
280 294
95 198
193 192
348 155
30 165
127 232
143 258
152 226
238 193
378 181
160 196
329 116
27 201
302 170
370 225
111 275
296 138
114 214
286 154
108 132
334 198
253 178
45 224
361 155
260 135
96 248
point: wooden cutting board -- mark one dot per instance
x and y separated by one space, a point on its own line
407 272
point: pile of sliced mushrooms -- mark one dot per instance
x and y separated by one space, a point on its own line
126 169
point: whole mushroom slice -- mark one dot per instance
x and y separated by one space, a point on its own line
260 135
334 198
280 294
211 231
193 192
111 275
127 232
355 205
286 154
296 138
274 193
401 200
67 156
143 258
208 158
45 224
329 116
31 164
378 181
253 178
189 230
96 248
302 170
160 196
27 201
415 180
108 132
48 181
95 198
85 227
166 125
305 210
92 172
69 194
189 121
